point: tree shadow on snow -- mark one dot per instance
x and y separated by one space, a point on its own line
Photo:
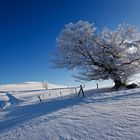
21 114
112 95
13 99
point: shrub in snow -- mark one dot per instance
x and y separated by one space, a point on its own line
133 85
103 54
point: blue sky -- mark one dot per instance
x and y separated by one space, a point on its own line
28 30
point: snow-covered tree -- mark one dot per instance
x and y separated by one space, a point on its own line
104 54
45 85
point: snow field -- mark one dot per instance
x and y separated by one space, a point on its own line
103 114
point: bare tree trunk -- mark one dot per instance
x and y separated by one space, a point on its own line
119 83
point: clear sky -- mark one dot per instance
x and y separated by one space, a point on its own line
28 31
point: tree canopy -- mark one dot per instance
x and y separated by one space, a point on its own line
99 54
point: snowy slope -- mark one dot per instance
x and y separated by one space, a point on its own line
101 115
25 92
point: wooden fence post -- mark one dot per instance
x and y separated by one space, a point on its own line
81 91
75 90
97 85
17 102
1 106
39 98
70 90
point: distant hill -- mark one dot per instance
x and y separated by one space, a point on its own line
32 85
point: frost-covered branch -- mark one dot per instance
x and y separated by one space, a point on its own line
95 55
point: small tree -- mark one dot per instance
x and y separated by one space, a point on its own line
45 85
106 54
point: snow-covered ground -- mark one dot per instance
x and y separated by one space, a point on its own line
103 114
26 93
